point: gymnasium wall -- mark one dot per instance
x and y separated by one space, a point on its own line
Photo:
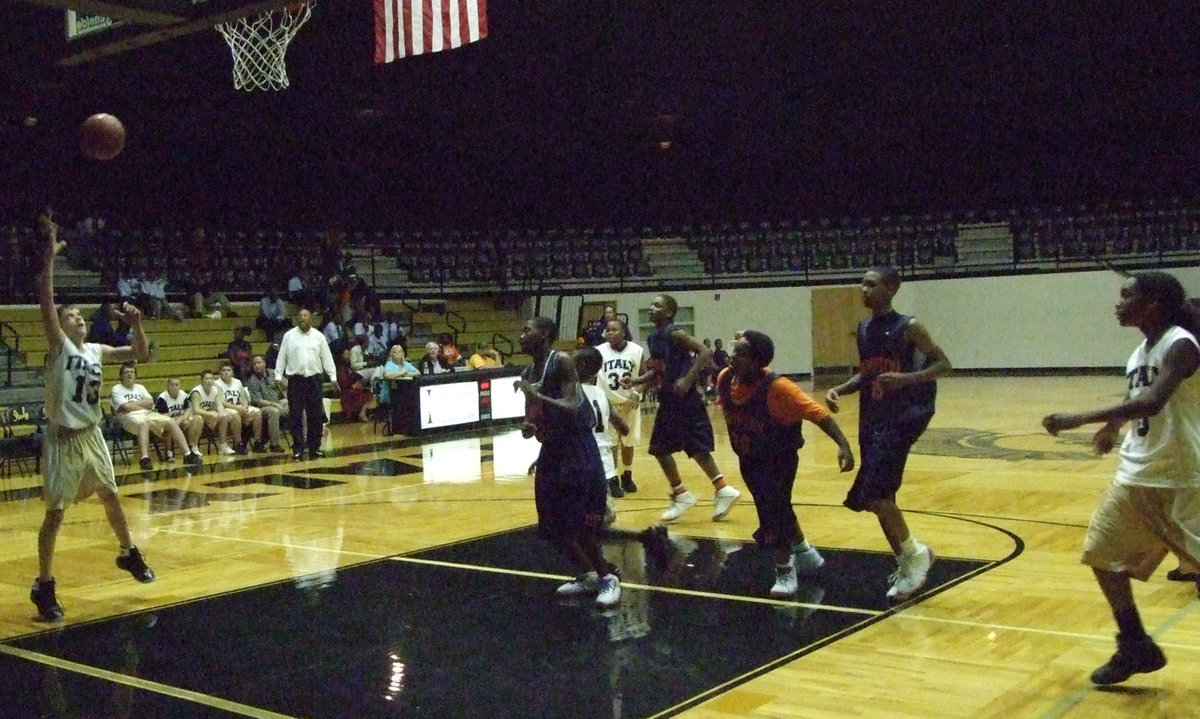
1062 320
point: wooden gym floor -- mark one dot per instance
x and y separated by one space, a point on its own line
401 577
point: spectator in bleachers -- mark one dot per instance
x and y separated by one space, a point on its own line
106 326
239 353
272 315
393 332
205 300
377 344
267 395
363 324
449 349
299 289
128 288
363 297
154 295
433 362
271 355
339 301
136 414
354 392
335 334
485 357
361 361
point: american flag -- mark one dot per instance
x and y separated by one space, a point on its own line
413 27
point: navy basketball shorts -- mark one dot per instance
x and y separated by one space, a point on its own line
569 488
681 425
883 451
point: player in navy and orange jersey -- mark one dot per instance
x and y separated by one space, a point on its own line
764 413
682 424
899 364
569 485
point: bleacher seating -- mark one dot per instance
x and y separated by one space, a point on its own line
464 261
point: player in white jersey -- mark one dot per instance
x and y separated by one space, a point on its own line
237 399
587 363
1153 505
177 404
622 358
136 414
76 459
208 404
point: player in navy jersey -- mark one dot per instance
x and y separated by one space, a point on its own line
569 486
899 364
682 423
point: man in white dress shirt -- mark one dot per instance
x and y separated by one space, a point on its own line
303 355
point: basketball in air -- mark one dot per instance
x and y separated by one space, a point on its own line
102 137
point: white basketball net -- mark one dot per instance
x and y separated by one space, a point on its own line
259 45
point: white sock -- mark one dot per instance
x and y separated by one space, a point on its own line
803 546
910 546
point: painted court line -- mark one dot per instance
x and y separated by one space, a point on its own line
143 684
648 587
1068 702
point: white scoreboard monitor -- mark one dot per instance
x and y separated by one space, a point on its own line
446 405
502 396
464 399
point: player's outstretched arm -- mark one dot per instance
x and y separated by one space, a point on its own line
48 231
139 345
830 427
834 395
1181 361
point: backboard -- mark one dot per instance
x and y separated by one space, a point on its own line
100 28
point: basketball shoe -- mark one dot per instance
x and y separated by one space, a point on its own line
580 586
808 560
42 596
1134 656
680 503
725 498
910 574
135 564
610 592
786 583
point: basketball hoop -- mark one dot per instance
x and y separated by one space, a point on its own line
259 45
